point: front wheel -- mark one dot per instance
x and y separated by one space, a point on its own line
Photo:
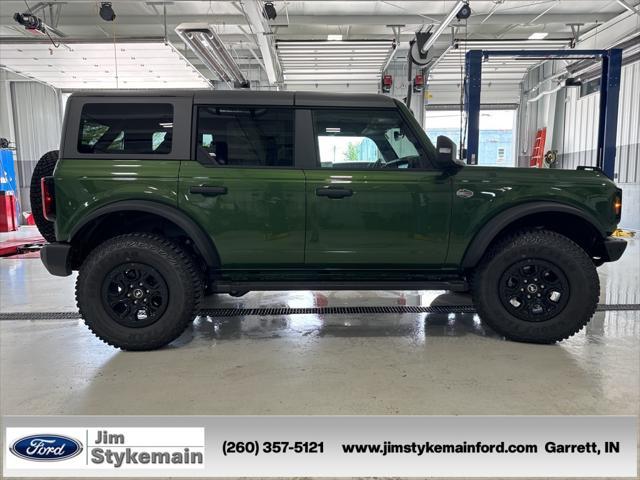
138 291
536 286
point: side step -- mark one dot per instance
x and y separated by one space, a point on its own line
239 288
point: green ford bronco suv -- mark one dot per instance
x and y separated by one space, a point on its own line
161 198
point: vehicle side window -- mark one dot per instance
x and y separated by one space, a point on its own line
242 136
364 139
126 128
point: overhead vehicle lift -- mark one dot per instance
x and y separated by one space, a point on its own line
611 67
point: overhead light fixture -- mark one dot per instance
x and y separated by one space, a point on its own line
30 22
208 47
334 38
270 11
106 12
538 35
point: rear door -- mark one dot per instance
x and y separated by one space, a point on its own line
373 198
243 187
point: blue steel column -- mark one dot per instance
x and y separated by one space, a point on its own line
472 90
609 98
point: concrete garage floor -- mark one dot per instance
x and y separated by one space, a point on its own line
317 364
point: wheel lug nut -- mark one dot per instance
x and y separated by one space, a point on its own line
528 296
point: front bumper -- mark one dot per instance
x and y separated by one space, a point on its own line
55 257
613 248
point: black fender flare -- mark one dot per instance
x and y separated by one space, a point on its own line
198 236
493 227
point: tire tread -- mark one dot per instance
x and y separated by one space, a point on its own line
160 245
529 331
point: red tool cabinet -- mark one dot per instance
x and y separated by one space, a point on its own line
8 221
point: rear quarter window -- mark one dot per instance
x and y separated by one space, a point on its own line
126 128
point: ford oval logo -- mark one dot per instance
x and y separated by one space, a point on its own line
46 448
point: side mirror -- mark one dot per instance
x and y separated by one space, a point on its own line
447 153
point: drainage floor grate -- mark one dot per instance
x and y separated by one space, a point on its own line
277 311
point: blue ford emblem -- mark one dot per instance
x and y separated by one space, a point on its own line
46 448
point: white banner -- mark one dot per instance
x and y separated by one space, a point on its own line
464 446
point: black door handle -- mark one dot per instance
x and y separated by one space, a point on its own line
209 191
333 192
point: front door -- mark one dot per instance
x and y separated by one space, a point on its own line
374 201
243 188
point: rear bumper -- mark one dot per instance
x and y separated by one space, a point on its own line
55 257
613 248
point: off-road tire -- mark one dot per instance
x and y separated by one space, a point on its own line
44 168
551 247
178 271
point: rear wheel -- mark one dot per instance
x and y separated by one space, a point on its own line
536 286
138 291
44 168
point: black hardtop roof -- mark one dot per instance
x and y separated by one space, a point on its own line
253 97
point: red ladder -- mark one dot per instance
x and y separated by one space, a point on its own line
537 155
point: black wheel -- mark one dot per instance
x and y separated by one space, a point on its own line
138 291
44 168
536 286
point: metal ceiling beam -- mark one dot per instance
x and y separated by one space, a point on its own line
496 5
253 11
631 8
383 20
542 14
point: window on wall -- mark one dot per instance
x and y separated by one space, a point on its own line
496 142
365 139
126 128
589 87
245 137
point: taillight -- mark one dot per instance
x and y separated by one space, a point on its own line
48 200
617 204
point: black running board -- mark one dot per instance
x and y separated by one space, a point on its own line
236 288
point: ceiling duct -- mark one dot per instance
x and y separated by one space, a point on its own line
208 47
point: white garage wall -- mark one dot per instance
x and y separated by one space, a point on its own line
572 130
6 121
37 119
581 127
581 134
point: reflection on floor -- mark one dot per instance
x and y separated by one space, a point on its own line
318 364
